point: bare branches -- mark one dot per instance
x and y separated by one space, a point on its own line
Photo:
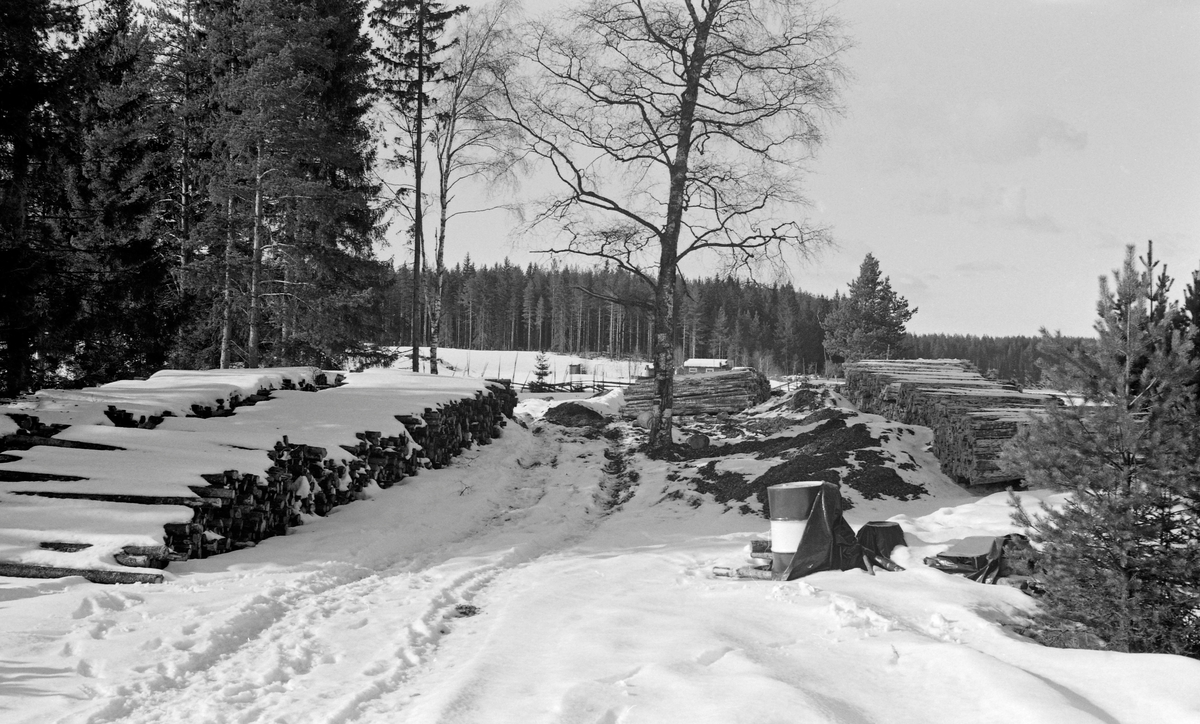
600 95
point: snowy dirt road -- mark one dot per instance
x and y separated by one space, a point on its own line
503 590
326 625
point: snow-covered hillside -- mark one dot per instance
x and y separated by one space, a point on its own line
516 586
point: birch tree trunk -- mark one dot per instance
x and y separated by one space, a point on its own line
255 264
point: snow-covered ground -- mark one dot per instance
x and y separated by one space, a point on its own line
519 366
164 462
503 589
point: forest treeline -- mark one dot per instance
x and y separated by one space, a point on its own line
1005 358
605 311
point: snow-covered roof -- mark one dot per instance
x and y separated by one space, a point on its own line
706 362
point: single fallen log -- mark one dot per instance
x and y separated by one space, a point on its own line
27 570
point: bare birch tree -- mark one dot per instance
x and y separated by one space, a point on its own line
674 127
468 143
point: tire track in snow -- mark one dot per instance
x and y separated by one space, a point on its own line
298 646
260 626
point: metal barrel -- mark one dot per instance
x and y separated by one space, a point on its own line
790 504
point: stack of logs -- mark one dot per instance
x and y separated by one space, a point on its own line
702 394
237 510
971 417
223 407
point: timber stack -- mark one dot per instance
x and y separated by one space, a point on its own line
971 417
229 509
703 394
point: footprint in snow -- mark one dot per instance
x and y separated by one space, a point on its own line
100 630
708 658
619 678
103 602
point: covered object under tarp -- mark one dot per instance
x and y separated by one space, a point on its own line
828 542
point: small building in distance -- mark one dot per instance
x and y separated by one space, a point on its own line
700 364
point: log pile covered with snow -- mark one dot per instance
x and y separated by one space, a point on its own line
703 394
105 481
971 417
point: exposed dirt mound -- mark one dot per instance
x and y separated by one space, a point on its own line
832 452
873 480
807 397
825 413
766 447
801 467
573 414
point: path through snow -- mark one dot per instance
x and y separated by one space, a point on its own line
572 614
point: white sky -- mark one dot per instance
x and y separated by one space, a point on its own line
995 156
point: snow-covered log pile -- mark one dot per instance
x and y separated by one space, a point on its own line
703 394
83 494
971 417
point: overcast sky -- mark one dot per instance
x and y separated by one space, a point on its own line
996 156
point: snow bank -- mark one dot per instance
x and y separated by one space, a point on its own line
164 463
168 391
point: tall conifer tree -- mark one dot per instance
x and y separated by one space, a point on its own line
869 321
291 153
117 170
34 105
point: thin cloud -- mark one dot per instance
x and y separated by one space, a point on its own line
924 135
996 133
1004 207
982 267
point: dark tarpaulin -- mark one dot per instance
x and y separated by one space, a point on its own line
880 537
828 543
984 559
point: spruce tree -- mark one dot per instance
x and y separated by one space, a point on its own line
410 32
35 49
1122 555
117 170
869 321
290 167
541 371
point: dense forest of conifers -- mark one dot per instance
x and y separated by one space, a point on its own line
607 312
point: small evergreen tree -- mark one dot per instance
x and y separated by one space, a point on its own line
1122 555
541 371
869 321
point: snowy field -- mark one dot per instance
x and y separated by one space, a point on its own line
519 366
505 589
